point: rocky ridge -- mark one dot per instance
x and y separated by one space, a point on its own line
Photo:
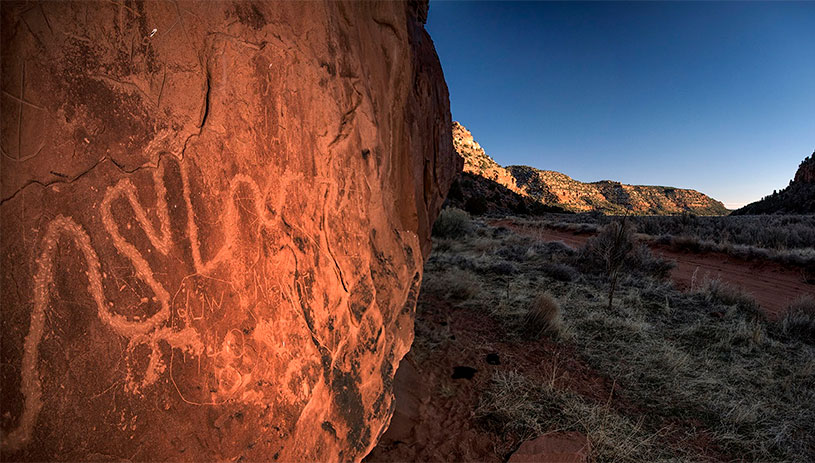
797 198
559 190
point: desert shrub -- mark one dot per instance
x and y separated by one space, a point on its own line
513 251
543 317
727 294
643 261
453 283
558 271
686 243
500 267
610 249
452 223
449 260
799 319
787 239
476 205
485 245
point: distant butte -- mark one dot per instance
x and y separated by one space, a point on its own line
557 190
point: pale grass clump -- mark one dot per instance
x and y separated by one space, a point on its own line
514 405
544 316
799 319
727 294
453 283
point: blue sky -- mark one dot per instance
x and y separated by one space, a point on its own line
718 97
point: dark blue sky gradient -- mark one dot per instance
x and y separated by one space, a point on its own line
719 97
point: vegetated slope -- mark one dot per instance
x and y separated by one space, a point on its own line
612 197
797 198
486 186
663 375
773 285
556 189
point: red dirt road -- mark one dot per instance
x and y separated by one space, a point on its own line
772 285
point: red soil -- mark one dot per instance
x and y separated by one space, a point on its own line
772 285
434 418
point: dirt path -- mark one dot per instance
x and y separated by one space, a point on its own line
772 285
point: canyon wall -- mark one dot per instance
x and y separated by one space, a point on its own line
559 191
214 220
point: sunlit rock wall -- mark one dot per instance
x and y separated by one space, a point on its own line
214 218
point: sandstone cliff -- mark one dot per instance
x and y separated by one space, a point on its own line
214 220
797 198
806 170
555 189
477 161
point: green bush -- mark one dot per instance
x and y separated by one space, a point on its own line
452 223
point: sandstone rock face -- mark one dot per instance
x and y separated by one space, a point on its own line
612 197
214 219
478 162
797 198
806 170
556 189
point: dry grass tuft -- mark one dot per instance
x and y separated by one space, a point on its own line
799 320
516 406
544 316
727 294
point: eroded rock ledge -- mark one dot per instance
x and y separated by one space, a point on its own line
214 219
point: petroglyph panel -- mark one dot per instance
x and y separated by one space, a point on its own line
211 227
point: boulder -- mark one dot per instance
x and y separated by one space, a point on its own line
214 220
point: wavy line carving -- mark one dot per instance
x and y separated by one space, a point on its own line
150 331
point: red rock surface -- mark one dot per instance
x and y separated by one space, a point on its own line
214 218
478 162
806 170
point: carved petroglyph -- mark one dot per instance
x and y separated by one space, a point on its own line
23 103
177 322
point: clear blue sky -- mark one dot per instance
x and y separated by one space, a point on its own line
718 97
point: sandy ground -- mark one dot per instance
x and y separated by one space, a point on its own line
772 285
